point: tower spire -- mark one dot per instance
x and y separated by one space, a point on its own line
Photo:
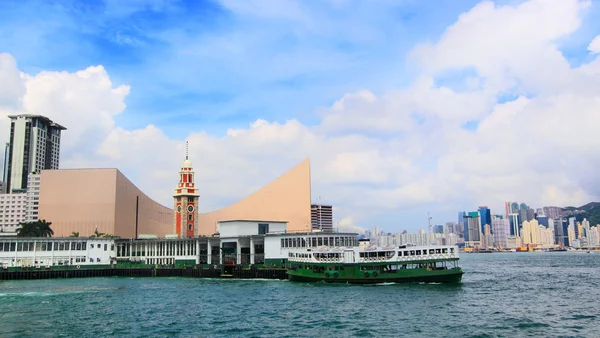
186 150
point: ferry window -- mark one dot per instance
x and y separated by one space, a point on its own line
444 250
112 247
83 245
320 241
92 246
105 247
55 246
73 245
451 250
20 246
91 260
412 252
12 246
337 241
98 259
431 251
437 251
314 241
418 253
78 245
282 243
331 241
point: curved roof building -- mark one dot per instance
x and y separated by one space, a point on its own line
83 200
287 198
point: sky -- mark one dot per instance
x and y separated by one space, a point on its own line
404 106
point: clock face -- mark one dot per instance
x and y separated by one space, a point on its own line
190 208
179 208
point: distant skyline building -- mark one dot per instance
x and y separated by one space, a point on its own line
542 220
500 230
485 217
552 212
514 224
472 229
523 210
561 232
34 146
321 217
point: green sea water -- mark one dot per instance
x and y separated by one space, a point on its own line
502 295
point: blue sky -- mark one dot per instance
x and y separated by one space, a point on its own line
211 65
193 63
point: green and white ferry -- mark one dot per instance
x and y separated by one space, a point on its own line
370 265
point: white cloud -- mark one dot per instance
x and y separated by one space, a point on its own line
594 46
11 85
375 153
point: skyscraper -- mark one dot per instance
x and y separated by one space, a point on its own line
485 217
472 229
514 224
34 146
523 210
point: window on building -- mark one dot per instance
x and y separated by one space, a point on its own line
190 199
263 228
190 227
190 217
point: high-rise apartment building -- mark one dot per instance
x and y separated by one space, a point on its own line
321 217
34 145
501 230
20 207
32 199
472 229
12 212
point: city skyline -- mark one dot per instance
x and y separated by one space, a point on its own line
404 108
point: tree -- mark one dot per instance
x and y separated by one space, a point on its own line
74 234
40 228
98 234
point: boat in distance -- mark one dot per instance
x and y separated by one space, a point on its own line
372 265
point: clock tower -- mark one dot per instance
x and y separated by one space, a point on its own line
185 201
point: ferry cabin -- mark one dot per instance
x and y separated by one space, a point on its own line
431 263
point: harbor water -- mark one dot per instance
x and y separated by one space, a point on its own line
502 295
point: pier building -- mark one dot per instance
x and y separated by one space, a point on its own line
239 244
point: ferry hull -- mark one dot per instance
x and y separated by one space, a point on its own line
446 276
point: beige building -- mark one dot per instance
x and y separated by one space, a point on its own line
83 200
286 199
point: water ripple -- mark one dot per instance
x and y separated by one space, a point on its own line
503 295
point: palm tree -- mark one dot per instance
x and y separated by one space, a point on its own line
74 234
98 234
39 228
27 229
44 228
